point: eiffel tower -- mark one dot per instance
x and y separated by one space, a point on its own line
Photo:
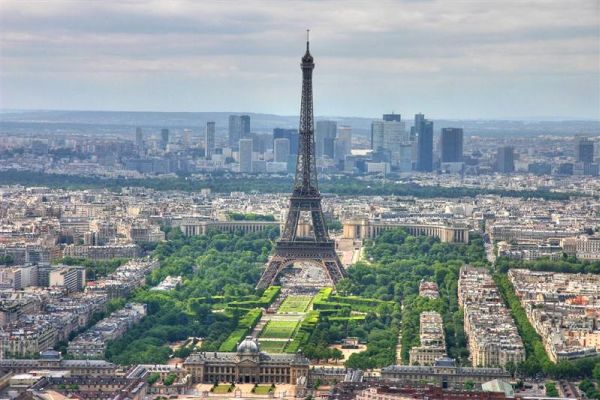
291 247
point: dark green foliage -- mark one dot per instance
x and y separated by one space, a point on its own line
220 184
243 328
153 378
551 390
334 225
320 352
217 268
268 296
398 262
588 387
95 269
566 265
250 217
534 347
304 332
170 379
6 259
537 361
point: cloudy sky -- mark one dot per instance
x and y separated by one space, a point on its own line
447 58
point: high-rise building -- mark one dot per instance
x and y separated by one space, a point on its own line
423 130
377 128
139 138
345 132
164 138
342 148
325 132
245 126
235 130
392 117
387 136
584 149
261 142
245 146
405 157
281 150
187 137
289 134
451 145
505 160
343 143
70 277
209 139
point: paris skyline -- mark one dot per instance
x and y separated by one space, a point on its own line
448 59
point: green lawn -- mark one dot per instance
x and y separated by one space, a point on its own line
295 304
270 346
279 329
222 389
262 389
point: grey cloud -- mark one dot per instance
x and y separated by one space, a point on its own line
253 43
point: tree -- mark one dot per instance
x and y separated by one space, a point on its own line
337 355
170 379
153 378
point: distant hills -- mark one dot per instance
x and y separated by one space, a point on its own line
124 123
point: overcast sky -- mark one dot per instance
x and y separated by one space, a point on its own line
448 59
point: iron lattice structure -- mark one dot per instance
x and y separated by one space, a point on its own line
318 248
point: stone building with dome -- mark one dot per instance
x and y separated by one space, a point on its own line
247 365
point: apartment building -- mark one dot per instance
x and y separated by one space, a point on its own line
493 338
432 338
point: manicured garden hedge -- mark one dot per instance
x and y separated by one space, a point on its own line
304 332
244 327
268 296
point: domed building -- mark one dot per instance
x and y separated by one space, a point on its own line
247 365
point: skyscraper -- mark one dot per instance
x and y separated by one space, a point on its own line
505 160
235 131
164 138
392 117
245 126
584 150
345 132
139 139
281 149
209 139
452 145
387 135
291 135
187 137
325 133
245 146
424 133
239 128
342 148
377 135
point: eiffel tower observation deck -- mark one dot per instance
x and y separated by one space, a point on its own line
315 249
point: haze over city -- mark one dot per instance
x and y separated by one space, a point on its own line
458 59
299 200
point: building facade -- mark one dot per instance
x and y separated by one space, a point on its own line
369 229
444 374
247 365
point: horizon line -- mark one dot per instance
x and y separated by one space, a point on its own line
527 118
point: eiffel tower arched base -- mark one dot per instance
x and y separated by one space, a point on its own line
288 253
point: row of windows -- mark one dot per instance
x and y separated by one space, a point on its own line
263 370
248 379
